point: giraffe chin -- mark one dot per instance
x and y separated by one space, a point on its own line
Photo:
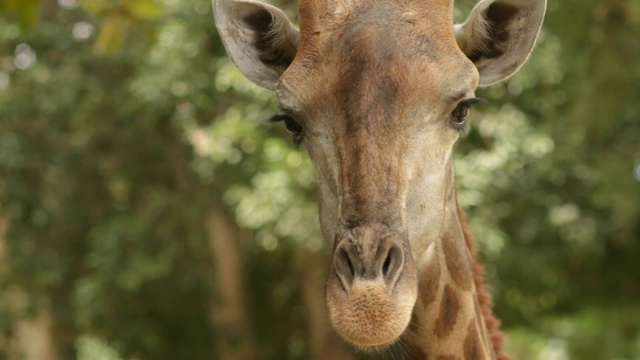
369 316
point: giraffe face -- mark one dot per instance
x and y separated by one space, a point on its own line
371 108
377 93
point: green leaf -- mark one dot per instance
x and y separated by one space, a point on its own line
98 6
93 6
9 6
28 14
145 9
112 35
26 11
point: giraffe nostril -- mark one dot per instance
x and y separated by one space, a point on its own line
351 269
381 261
392 265
344 266
386 265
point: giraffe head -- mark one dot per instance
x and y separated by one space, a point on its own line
378 92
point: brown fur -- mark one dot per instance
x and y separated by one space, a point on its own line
456 260
449 309
429 284
471 351
496 336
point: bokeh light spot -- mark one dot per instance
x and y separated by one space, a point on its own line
68 4
82 30
25 56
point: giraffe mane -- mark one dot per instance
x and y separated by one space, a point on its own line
485 300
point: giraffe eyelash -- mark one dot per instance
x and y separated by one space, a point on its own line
291 124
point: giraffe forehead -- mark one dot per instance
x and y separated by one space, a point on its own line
325 14
381 52
330 26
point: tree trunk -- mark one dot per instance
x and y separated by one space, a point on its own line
33 336
229 315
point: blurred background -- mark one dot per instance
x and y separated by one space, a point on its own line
147 211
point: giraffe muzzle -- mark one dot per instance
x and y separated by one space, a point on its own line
372 287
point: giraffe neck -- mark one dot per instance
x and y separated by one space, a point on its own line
448 321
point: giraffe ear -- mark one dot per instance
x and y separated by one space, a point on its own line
259 38
499 35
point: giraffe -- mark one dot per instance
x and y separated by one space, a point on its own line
378 92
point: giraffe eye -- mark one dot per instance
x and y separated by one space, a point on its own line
291 125
460 114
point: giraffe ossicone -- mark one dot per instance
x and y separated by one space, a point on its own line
379 93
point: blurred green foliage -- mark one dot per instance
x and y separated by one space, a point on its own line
123 124
25 11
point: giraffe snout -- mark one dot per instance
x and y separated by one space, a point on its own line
372 286
352 264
